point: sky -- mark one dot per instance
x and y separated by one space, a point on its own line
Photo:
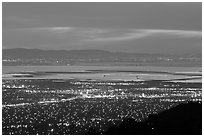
119 27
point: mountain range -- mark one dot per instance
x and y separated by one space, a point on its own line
20 56
22 53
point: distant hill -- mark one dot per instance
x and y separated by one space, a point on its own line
20 56
37 53
75 54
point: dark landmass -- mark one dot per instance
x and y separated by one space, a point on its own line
22 56
184 119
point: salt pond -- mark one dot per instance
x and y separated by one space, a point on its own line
136 73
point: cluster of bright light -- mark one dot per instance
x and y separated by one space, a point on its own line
85 105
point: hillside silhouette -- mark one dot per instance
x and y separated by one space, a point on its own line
184 119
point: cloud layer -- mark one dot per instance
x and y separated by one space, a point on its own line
98 38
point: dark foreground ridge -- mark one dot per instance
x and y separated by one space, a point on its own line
184 119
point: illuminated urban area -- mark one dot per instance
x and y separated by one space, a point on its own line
57 106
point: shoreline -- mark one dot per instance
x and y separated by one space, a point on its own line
104 73
186 80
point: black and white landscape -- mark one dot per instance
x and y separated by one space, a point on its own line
102 68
